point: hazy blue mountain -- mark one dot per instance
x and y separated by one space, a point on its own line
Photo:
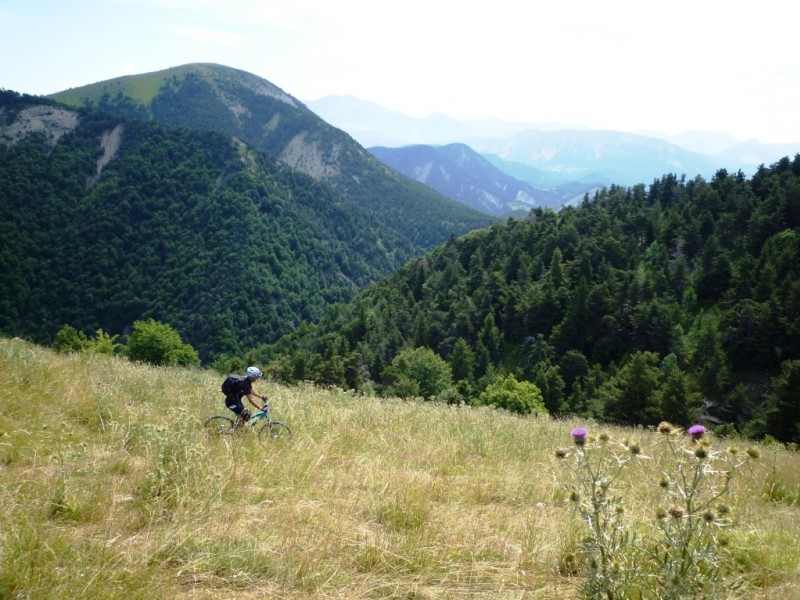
622 158
537 177
460 173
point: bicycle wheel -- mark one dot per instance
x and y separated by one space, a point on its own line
274 430
218 425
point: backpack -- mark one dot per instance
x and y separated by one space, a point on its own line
231 384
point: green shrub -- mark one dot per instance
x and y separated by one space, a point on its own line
517 396
159 344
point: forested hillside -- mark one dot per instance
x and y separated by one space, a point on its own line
211 97
105 220
672 301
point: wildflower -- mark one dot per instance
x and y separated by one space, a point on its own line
723 509
575 497
635 448
661 513
663 482
709 516
696 431
603 437
579 436
701 453
561 453
753 452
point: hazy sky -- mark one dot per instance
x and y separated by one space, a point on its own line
631 65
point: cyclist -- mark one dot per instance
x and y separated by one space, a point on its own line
238 387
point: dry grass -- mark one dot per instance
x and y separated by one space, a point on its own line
110 489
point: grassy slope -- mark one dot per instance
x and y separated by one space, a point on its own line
109 489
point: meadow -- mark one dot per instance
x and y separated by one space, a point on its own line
110 488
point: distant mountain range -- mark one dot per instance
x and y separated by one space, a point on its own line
560 161
460 173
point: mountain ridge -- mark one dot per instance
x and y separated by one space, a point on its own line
220 98
706 152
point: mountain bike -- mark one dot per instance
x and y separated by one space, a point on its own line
261 422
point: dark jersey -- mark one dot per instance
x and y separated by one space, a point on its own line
245 387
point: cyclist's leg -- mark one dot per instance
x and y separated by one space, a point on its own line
234 403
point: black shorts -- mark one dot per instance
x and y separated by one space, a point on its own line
234 403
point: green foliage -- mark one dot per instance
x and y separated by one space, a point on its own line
103 343
629 396
419 372
517 396
69 339
159 344
679 301
783 403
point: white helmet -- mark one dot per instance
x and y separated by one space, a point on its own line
253 372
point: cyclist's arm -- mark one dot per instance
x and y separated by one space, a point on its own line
252 400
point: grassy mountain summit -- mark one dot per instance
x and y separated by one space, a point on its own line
219 98
118 494
142 89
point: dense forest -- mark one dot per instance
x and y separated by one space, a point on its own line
192 228
210 97
678 300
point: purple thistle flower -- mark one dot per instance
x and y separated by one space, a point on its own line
696 431
579 436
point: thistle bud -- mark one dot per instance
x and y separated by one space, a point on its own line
665 428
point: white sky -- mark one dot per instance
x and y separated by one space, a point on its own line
731 66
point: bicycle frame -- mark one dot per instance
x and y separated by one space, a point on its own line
267 427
